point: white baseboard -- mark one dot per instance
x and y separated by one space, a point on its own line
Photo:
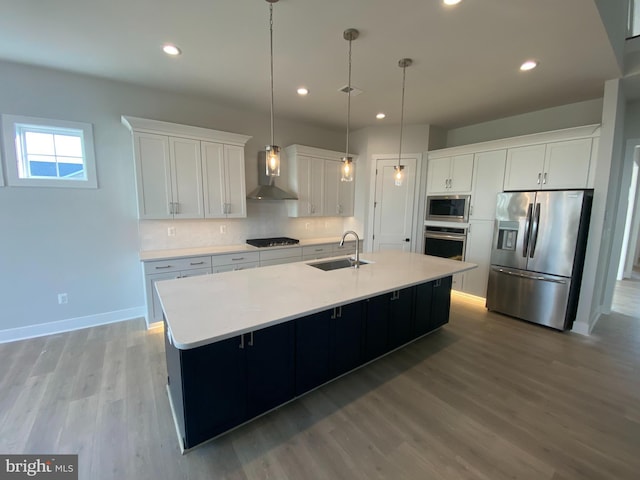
584 328
67 325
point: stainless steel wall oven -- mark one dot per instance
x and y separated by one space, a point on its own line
447 242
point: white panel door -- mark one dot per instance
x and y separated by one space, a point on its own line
316 186
393 210
438 174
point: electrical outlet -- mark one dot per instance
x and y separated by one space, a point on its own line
223 229
62 299
171 231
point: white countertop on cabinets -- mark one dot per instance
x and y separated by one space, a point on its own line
204 309
149 255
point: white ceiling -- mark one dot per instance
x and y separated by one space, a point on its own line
465 69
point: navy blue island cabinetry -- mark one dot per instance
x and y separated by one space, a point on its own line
216 387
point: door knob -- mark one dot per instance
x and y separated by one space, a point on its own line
407 239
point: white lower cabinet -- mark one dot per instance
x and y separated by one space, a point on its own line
235 261
158 270
479 239
313 252
280 256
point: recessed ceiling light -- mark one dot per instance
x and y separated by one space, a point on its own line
171 49
303 91
380 116
528 65
451 2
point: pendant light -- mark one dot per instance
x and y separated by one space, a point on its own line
347 161
273 151
398 175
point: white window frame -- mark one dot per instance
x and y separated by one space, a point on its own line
11 160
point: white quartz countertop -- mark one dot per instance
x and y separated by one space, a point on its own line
204 309
149 255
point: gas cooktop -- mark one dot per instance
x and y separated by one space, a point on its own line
272 242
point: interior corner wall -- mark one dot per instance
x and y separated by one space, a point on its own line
84 242
565 116
613 14
598 254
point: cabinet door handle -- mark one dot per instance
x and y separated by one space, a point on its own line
334 315
544 178
340 312
241 341
471 210
251 339
539 177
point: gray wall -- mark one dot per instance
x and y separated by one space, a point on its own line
85 242
555 118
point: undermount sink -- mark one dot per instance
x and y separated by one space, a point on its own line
337 264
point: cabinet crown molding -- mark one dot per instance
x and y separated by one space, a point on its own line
296 149
146 125
585 131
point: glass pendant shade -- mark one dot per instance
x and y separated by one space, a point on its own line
347 169
398 175
273 160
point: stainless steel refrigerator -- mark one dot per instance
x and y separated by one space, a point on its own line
537 255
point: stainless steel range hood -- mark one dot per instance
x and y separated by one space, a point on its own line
266 189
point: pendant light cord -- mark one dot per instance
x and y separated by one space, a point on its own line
346 154
271 63
404 74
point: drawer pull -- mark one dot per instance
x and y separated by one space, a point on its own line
197 263
237 259
160 268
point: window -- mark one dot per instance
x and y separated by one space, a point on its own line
48 153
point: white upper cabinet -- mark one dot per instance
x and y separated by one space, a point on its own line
338 195
450 174
186 178
314 175
551 166
153 175
488 178
567 164
187 172
169 177
224 181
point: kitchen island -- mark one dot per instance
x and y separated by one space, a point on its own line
239 344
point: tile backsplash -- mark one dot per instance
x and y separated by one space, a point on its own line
264 219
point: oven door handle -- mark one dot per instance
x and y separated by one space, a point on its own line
445 236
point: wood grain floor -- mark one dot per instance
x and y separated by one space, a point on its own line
486 397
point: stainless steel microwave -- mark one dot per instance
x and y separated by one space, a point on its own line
448 208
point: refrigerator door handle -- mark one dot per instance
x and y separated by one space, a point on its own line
527 225
531 277
534 230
